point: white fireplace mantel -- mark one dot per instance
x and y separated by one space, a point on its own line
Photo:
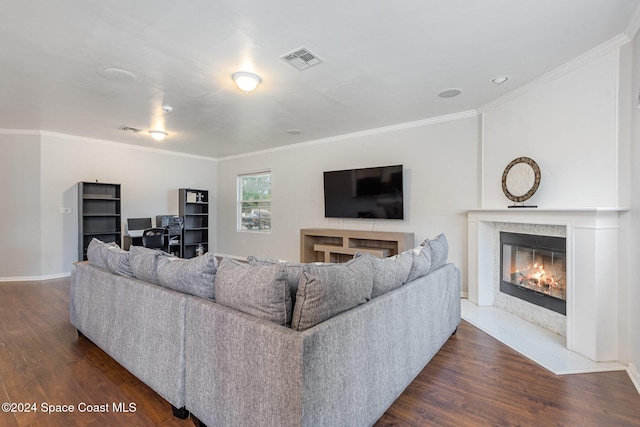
592 270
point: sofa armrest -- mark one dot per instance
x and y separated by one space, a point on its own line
357 364
140 325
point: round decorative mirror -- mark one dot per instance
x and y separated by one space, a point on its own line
520 179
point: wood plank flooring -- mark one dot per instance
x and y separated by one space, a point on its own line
473 381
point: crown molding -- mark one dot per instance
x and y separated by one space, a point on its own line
585 58
20 132
368 132
49 134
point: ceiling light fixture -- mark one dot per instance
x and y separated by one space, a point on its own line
158 135
247 82
500 79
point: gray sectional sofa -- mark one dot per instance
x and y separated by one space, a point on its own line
270 348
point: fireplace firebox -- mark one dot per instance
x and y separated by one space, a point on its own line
533 268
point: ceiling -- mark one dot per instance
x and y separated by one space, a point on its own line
384 63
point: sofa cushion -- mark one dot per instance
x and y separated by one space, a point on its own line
439 248
292 272
96 253
117 261
144 263
326 290
421 263
389 273
259 290
194 276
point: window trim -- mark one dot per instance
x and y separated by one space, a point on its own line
240 201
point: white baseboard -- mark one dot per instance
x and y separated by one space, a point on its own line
34 278
634 375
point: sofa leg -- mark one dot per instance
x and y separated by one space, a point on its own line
455 331
181 413
197 422
80 334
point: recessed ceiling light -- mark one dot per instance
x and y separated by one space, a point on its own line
500 79
294 131
158 135
119 75
450 93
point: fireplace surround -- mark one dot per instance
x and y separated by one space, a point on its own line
533 268
592 327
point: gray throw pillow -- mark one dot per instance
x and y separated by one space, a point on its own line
292 272
389 273
117 261
259 290
96 253
439 248
144 263
421 263
194 276
326 290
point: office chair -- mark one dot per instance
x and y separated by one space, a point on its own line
153 238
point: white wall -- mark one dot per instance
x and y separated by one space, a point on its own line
150 180
568 125
634 287
575 123
20 213
440 162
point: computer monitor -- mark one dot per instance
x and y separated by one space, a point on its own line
138 223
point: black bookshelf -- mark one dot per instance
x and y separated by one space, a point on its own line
194 208
99 212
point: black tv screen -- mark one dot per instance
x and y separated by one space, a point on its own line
364 193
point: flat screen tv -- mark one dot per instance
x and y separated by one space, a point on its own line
364 193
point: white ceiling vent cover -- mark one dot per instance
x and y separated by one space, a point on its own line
302 58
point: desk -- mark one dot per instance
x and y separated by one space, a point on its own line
127 241
172 241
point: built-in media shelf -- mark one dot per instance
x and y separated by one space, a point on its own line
332 245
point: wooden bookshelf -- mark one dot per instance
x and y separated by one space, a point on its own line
332 245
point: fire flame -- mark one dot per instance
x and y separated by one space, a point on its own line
534 275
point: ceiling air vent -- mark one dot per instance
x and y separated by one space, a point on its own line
129 129
302 58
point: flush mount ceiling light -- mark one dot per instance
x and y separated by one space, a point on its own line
158 135
450 93
500 79
247 82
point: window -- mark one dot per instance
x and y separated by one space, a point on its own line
254 202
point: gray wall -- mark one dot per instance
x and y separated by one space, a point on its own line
40 177
20 201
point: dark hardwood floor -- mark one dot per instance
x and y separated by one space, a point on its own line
473 381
